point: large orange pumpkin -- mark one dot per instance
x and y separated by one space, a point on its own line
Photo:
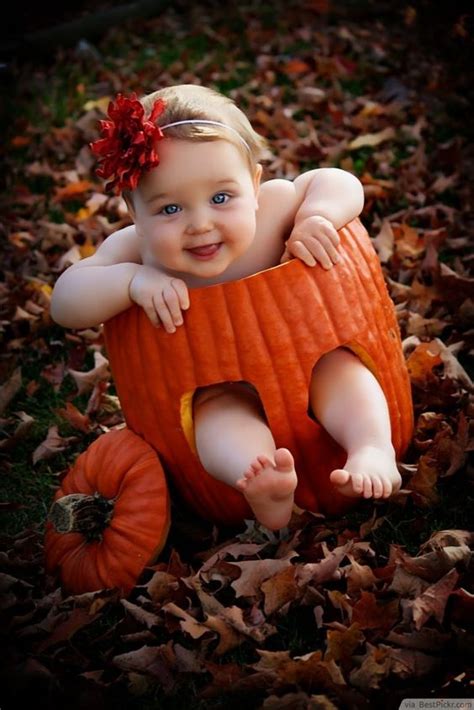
269 330
110 517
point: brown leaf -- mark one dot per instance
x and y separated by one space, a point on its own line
254 572
141 615
52 445
371 613
406 584
188 623
9 389
372 139
161 586
21 432
425 639
448 538
374 668
407 663
75 418
295 66
86 381
156 661
72 190
235 617
228 638
224 678
423 482
384 242
433 600
72 622
280 589
432 565
341 645
325 570
425 327
358 576
421 362
234 550
461 608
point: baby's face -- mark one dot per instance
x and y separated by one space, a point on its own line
196 211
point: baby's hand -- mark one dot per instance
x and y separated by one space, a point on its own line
162 297
314 240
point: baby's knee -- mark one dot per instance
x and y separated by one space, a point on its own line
225 393
338 357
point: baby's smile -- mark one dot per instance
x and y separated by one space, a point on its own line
206 252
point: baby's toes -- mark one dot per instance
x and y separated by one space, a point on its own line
340 477
358 483
377 487
284 461
263 462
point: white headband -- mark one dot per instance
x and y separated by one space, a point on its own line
212 123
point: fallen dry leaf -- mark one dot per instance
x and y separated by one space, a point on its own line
52 445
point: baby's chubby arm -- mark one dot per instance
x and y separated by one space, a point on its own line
107 283
326 200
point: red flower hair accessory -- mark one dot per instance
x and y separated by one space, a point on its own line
127 148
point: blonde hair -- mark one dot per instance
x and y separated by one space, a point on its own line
186 102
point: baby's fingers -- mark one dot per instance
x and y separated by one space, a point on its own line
312 254
331 233
182 293
169 309
315 243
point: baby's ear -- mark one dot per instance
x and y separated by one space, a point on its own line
256 181
257 176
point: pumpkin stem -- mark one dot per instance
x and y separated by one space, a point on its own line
86 514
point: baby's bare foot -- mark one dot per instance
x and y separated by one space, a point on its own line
369 473
269 488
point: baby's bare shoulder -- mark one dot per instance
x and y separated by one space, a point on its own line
122 246
277 206
278 186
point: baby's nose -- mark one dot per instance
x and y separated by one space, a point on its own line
200 222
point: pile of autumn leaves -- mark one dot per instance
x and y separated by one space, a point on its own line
316 615
267 619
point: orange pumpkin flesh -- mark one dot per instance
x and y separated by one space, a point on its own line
268 329
123 474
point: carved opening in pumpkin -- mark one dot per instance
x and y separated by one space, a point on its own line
363 356
187 407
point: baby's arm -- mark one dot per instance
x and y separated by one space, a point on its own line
107 283
327 199
96 288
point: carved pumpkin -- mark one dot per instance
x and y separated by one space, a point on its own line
269 330
110 516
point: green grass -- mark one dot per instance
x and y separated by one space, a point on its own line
31 485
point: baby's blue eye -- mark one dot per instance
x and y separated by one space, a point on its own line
220 198
170 209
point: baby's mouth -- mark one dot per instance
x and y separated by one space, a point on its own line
205 252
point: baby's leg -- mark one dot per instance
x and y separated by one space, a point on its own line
350 404
236 446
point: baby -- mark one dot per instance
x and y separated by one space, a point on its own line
186 160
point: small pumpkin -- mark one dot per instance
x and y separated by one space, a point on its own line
269 330
110 517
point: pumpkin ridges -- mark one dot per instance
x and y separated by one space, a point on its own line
117 464
381 326
403 393
164 429
204 337
288 401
